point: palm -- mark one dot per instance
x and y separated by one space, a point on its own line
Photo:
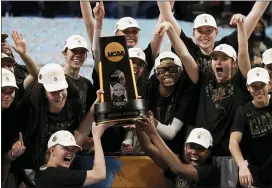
19 43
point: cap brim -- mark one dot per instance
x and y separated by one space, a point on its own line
140 59
55 86
73 47
201 25
219 52
10 85
8 59
198 142
4 36
72 145
123 28
257 80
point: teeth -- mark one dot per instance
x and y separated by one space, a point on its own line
193 158
168 79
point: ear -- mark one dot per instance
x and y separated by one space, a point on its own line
248 88
64 53
194 32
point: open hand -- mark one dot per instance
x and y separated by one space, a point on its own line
126 148
19 43
147 124
98 130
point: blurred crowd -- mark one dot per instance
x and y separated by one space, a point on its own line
209 119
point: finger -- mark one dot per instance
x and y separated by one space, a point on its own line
21 36
21 138
101 3
249 181
97 4
14 36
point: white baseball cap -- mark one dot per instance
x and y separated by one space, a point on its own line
226 49
267 56
125 23
52 77
75 41
5 57
164 55
200 136
64 138
4 36
137 53
257 74
204 20
8 79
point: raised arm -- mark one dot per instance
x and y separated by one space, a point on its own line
243 56
99 13
181 50
98 173
167 15
148 147
87 15
156 41
254 16
21 48
173 162
168 132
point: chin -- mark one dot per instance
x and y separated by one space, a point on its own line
5 105
131 44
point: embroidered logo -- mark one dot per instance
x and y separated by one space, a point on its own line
7 78
54 139
40 76
55 78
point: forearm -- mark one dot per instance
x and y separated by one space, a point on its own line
168 132
32 67
96 46
184 55
167 15
99 166
236 152
254 16
173 162
243 56
6 164
157 40
88 18
150 149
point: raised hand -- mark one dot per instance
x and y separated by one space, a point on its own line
237 19
126 148
147 124
19 43
18 147
98 95
99 10
98 130
162 28
88 144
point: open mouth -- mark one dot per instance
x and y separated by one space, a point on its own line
67 159
194 160
219 70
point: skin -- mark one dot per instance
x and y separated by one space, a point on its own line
222 66
75 57
205 38
195 154
56 100
5 47
8 65
138 67
131 34
62 156
259 92
7 97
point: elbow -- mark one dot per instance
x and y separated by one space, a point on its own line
232 144
170 136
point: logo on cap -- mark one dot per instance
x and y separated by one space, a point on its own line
221 48
55 78
79 42
40 76
54 139
129 21
205 20
138 54
7 78
198 136
257 74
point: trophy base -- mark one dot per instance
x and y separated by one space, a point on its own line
105 112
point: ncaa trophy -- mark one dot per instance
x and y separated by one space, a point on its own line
119 102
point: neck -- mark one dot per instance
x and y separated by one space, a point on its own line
71 72
207 51
166 91
262 103
51 164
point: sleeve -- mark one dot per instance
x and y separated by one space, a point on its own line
91 96
168 132
239 120
61 177
95 78
208 175
231 40
149 58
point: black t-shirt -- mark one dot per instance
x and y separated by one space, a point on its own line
85 90
256 126
209 176
218 103
59 177
20 73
